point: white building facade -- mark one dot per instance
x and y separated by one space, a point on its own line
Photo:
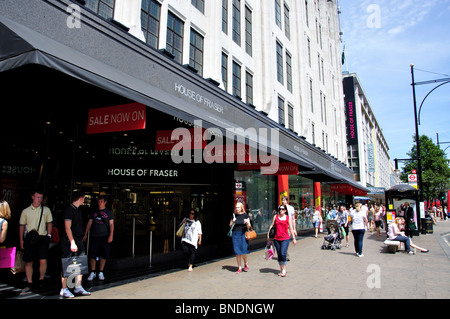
280 56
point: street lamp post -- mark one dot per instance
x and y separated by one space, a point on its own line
419 160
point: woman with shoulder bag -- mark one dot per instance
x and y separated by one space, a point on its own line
282 224
241 222
192 237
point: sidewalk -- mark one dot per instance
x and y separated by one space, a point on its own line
312 273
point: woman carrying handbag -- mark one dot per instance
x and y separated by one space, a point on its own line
282 224
241 222
192 237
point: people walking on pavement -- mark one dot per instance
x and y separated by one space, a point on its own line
378 219
359 222
36 219
101 227
282 224
192 237
342 218
395 233
72 242
241 222
316 219
409 220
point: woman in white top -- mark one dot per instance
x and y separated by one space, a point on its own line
359 221
192 237
395 233
316 220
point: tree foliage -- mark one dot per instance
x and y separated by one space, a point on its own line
435 168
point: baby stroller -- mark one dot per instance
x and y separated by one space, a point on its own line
333 239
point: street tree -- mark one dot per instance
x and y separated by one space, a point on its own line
435 168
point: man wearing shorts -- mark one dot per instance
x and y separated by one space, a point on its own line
72 241
35 217
101 226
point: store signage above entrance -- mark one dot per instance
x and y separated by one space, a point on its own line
119 118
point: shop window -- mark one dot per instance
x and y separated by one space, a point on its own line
261 198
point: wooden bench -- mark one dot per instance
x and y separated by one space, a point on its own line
393 245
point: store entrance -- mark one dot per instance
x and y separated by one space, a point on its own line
147 216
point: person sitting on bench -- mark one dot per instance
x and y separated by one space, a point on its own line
395 233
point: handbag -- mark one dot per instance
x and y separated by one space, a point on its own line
7 257
74 265
33 235
180 231
272 233
250 234
19 265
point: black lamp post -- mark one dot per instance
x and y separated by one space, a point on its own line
419 160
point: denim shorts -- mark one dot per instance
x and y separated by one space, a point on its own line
240 244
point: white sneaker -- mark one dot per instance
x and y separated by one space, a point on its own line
101 276
66 293
91 277
80 291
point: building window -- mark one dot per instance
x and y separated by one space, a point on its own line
237 22
321 106
248 31
309 51
225 71
287 22
313 133
280 76
278 13
199 4
311 96
290 117
104 8
249 87
196 52
306 13
237 80
175 37
281 117
289 72
225 16
150 20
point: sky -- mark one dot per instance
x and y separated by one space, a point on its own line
382 39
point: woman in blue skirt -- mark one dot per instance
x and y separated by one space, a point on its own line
241 222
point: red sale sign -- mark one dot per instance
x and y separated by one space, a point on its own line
117 118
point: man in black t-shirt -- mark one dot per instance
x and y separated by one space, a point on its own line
72 241
101 226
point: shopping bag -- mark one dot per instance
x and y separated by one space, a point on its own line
74 265
268 251
230 232
19 264
7 257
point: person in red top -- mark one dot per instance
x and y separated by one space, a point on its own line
282 225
